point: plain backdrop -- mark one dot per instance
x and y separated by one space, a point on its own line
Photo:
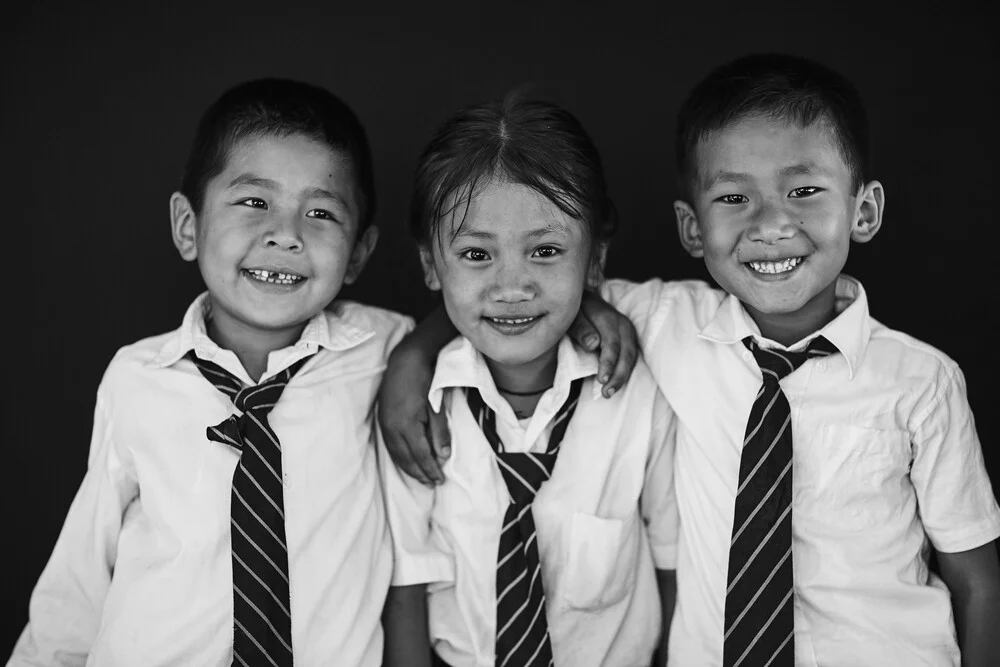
99 104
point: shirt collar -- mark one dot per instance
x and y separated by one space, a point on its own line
461 365
330 328
849 331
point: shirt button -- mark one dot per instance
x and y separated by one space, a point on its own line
284 479
821 366
746 355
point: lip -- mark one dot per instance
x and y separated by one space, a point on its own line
273 287
511 328
773 277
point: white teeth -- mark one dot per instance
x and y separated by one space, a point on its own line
506 320
275 277
775 267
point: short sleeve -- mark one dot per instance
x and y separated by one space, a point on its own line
957 505
658 500
419 552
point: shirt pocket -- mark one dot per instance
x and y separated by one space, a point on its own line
600 569
856 477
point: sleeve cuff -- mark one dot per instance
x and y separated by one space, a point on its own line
664 557
423 569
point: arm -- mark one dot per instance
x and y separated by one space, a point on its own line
417 437
973 577
666 582
68 600
404 619
414 434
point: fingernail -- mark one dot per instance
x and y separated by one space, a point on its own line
609 392
603 378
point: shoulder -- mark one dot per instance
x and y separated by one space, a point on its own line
907 354
135 364
386 327
648 304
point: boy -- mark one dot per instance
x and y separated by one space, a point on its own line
812 439
231 511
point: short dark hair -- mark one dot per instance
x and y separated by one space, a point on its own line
277 107
528 142
776 86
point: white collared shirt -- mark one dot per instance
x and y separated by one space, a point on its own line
885 456
604 519
142 571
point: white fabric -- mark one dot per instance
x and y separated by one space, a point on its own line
885 456
604 519
142 573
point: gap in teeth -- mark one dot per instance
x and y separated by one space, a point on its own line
275 277
776 267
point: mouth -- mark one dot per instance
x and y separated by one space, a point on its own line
775 268
511 326
273 277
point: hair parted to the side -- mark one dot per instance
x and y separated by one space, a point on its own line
776 86
514 140
277 107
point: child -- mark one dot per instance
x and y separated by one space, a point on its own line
512 216
206 533
881 460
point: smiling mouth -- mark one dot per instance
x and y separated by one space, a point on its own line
512 321
273 277
781 266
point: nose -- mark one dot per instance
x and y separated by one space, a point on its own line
283 232
513 282
771 222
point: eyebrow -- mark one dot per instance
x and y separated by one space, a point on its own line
550 228
726 177
268 184
803 169
798 169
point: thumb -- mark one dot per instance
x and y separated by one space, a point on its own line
440 435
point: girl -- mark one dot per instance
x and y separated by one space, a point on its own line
556 525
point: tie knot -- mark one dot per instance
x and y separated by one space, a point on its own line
776 364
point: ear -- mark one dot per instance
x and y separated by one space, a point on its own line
184 226
363 248
595 273
688 229
870 204
430 270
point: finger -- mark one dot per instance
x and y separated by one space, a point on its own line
627 358
608 360
440 436
403 456
423 463
582 331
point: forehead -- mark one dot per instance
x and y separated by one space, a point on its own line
290 159
761 147
507 209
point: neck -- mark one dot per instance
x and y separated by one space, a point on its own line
251 345
524 378
790 328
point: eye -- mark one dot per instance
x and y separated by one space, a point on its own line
474 255
546 251
732 199
254 202
321 214
799 193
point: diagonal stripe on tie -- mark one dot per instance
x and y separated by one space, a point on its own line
522 638
759 612
261 605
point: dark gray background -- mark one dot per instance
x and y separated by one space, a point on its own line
99 104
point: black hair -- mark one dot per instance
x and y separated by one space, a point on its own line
277 107
527 142
780 87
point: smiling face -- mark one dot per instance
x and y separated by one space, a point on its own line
276 238
773 215
513 277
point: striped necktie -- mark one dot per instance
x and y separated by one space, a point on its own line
522 630
262 621
760 624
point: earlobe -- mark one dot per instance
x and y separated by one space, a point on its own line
868 213
430 270
362 251
688 229
184 226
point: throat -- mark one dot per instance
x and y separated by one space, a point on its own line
789 328
522 385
